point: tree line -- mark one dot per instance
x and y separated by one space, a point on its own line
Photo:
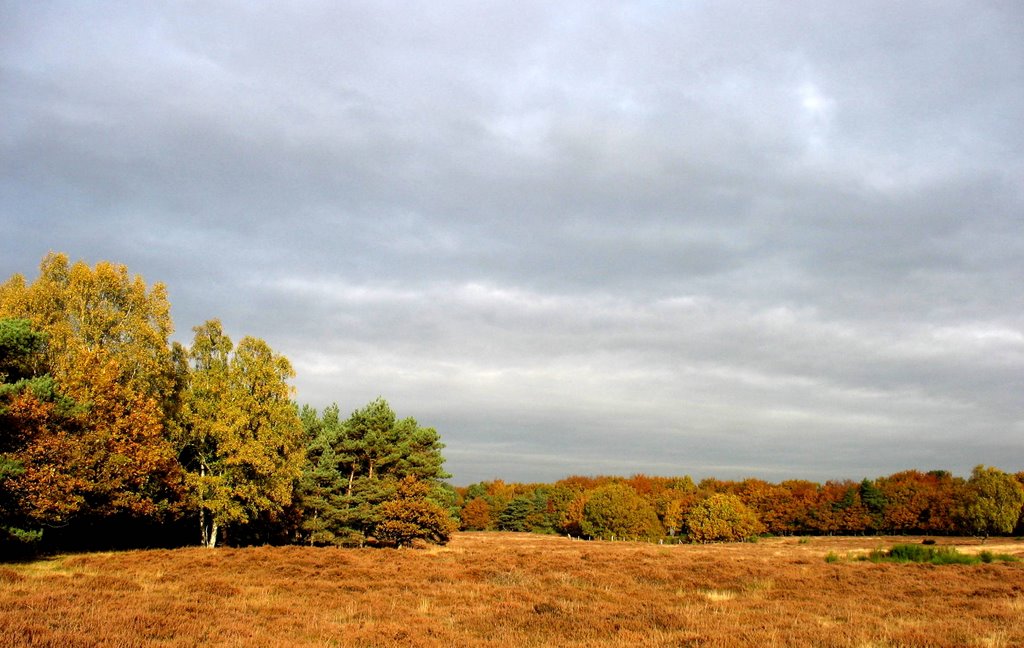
108 430
989 502
112 434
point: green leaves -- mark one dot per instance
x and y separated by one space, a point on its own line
722 517
618 510
992 502
356 466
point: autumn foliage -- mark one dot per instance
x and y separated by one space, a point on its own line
907 502
722 517
106 428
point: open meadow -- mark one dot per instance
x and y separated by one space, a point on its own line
503 589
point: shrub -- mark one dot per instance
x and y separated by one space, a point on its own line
411 516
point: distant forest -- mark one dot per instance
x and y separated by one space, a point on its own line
113 436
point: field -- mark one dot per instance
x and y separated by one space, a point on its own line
487 589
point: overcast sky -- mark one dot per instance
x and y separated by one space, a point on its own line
782 240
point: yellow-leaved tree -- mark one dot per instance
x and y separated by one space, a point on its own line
106 348
241 442
99 312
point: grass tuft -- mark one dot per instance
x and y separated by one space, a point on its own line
908 553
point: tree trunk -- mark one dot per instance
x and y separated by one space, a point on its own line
204 534
208 528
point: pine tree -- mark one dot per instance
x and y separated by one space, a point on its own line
355 466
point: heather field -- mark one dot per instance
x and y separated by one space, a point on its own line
491 589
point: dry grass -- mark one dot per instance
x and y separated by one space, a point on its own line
488 589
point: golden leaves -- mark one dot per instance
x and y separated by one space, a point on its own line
241 427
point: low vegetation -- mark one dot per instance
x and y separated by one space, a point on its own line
906 553
515 589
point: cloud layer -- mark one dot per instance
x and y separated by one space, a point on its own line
715 239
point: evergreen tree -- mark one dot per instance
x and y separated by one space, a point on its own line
355 466
514 517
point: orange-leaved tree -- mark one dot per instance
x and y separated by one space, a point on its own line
411 515
476 515
107 350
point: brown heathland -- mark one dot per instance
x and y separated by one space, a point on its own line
490 589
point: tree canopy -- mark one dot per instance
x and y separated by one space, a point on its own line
355 466
104 419
105 423
242 440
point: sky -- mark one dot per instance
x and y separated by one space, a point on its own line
731 239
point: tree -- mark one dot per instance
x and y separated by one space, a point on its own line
839 509
617 510
674 502
476 515
64 461
20 350
242 442
321 491
106 349
917 502
411 515
874 501
992 502
722 517
356 465
514 517
98 312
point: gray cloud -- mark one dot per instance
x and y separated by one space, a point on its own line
712 239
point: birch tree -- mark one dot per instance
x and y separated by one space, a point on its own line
242 440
